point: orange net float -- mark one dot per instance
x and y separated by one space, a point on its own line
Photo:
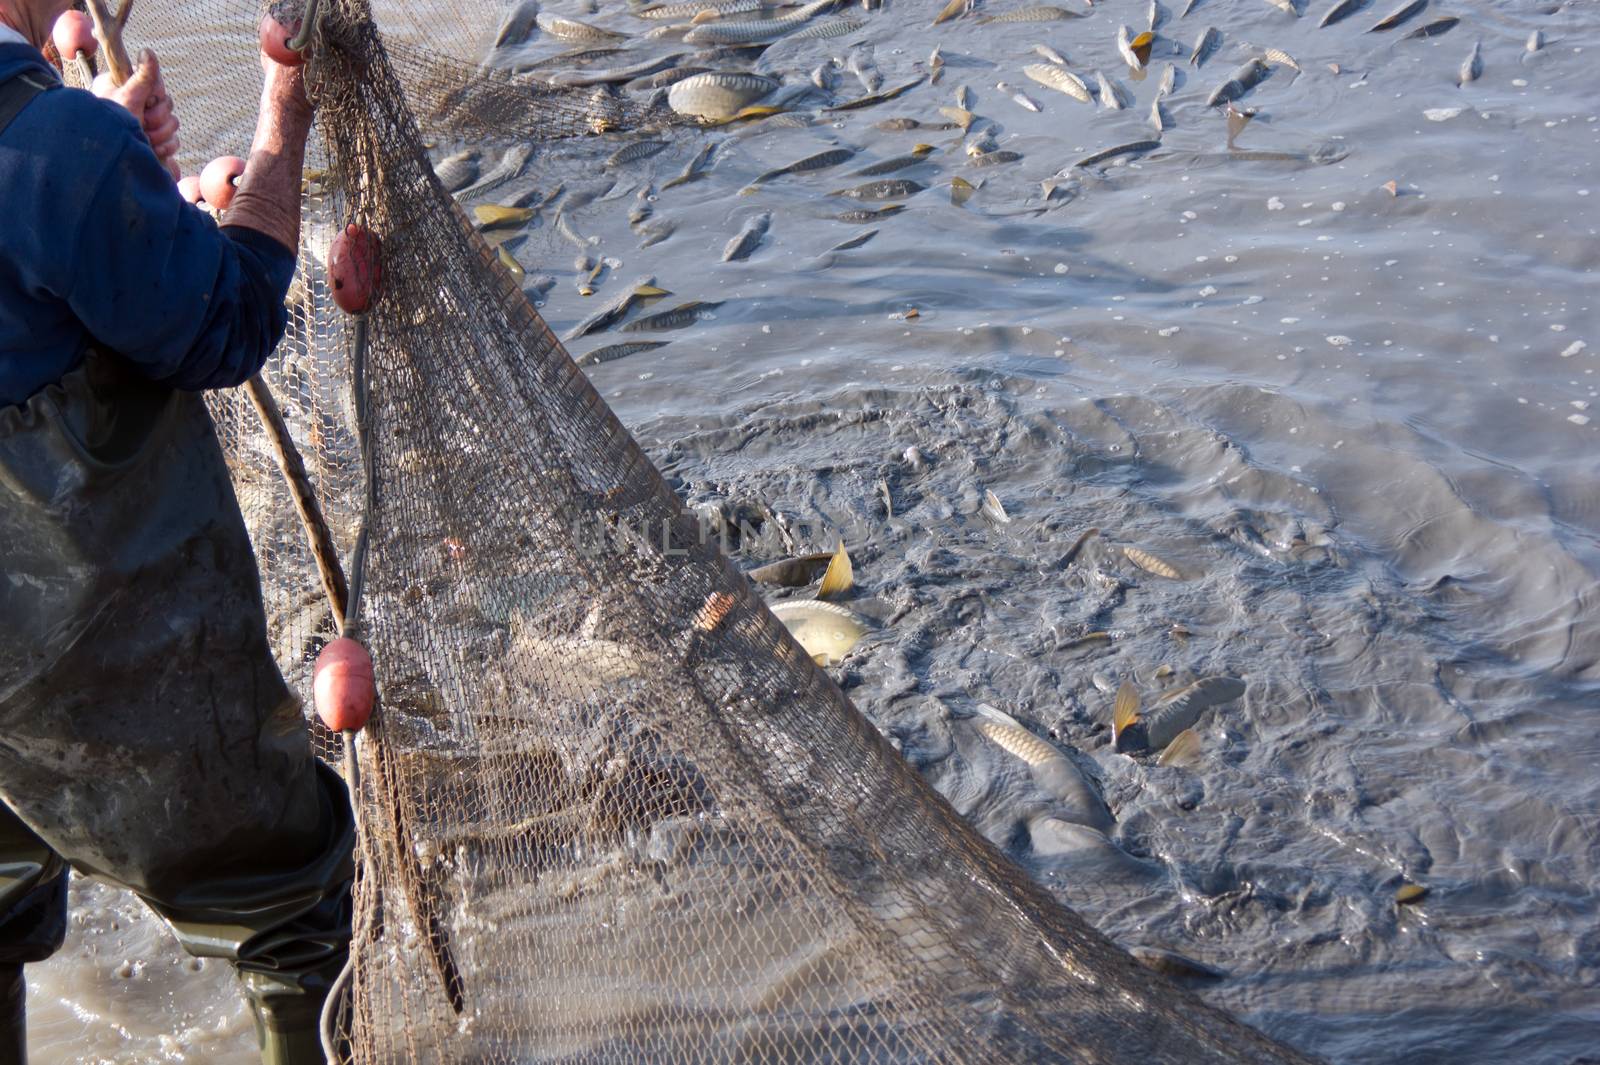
278 27
343 686
355 268
220 180
73 35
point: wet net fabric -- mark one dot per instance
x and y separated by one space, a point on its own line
611 812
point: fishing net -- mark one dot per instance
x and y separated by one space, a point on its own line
610 810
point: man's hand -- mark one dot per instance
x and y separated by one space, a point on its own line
145 97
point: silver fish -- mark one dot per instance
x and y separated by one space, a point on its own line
1125 46
572 30
997 157
1277 57
826 29
1059 79
1042 13
935 65
755 30
824 631
1205 46
656 231
618 351
1050 54
457 171
614 311
819 161
1157 16
866 71
665 79
749 238
632 153
1190 6
1021 98
575 78
1535 41
1176 711
721 94
855 241
1403 13
517 25
1113 97
1437 28
1133 148
823 77
892 189
642 206
899 162
1159 121
1243 80
1472 66
1341 11
685 314
870 214
695 7
1169 80
695 169
1051 770
1285 6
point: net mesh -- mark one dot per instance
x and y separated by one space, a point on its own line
610 810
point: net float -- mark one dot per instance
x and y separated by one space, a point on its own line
220 180
189 188
278 27
73 35
343 687
355 268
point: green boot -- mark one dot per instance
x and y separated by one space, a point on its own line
288 1022
13 1016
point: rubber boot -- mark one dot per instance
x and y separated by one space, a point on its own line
13 1016
287 1025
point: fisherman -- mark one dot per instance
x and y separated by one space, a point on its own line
146 736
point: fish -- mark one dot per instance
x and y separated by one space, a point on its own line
1053 771
1132 148
496 216
899 162
619 351
1285 6
1157 15
1279 58
870 214
508 261
1176 966
855 241
1113 97
1205 46
1535 41
653 233
961 191
517 26
572 30
1170 715
632 153
1059 79
839 577
878 97
792 572
697 7
749 238
935 65
1237 120
819 161
963 117
1437 28
1160 121
1190 6
1050 53
997 157
1168 82
510 166
1403 13
1150 563
825 29
1041 13
1183 750
1243 80
642 289
581 78
457 171
1472 66
964 98
720 94
902 124
993 509
1408 893
889 189
1021 98
695 169
954 9
685 314
866 71
825 631
754 31
1135 52
664 79
1341 11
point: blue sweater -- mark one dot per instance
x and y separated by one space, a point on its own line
97 247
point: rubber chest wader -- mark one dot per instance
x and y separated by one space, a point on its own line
146 735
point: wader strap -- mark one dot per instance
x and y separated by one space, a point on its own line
18 91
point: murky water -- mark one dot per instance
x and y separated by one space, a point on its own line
1358 421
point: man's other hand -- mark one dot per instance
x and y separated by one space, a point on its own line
145 96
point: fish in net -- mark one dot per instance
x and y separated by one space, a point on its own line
610 810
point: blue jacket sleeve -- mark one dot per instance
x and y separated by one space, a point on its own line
157 282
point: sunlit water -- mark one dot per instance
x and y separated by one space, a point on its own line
1358 421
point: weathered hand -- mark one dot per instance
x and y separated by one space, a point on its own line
146 98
